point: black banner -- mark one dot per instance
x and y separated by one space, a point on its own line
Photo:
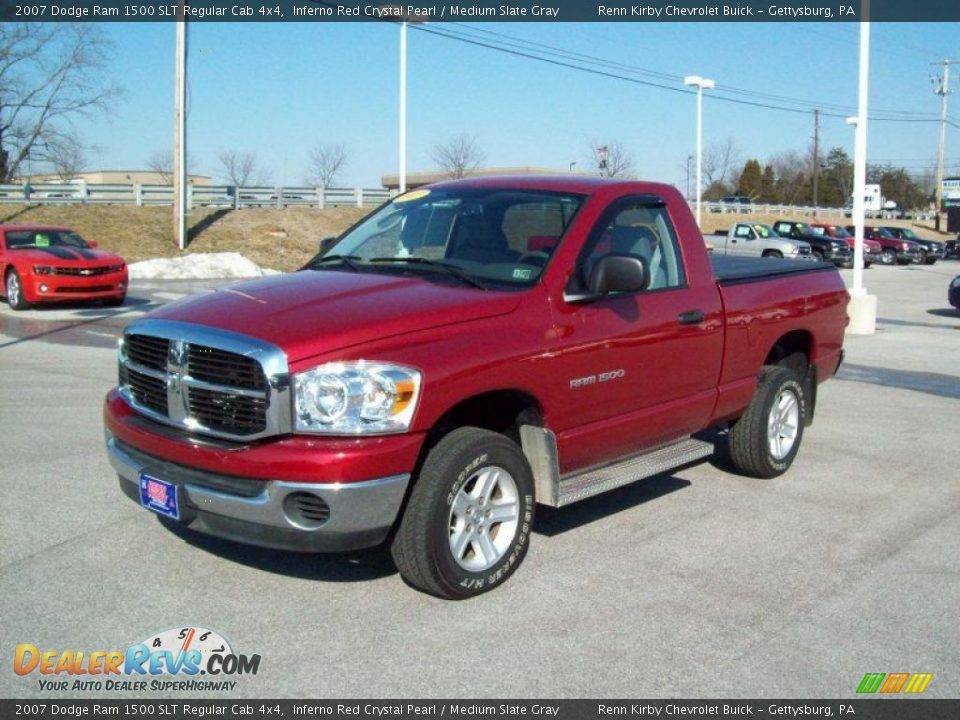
876 709
482 10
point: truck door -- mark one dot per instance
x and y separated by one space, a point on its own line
743 241
634 370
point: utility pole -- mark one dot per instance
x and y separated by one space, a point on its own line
942 89
180 130
816 157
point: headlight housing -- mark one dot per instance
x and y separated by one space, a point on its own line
355 398
904 247
42 270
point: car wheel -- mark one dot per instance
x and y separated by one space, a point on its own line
15 291
866 264
819 255
115 302
888 256
773 254
765 441
467 523
923 258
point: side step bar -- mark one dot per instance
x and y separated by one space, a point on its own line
540 447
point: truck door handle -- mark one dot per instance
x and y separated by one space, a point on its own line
691 317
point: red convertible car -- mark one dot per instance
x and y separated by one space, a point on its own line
46 263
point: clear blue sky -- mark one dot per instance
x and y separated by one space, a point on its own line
278 89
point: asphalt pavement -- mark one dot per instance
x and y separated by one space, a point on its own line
698 583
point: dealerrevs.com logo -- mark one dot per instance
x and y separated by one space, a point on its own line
168 661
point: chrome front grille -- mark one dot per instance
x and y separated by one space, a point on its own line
204 380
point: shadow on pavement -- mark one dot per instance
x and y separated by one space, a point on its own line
356 566
951 313
938 384
553 521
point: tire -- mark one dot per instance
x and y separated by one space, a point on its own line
888 257
114 302
462 474
923 258
14 290
818 254
866 265
753 449
773 254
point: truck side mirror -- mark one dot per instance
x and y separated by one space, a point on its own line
326 244
618 273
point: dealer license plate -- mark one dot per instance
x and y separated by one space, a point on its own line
159 496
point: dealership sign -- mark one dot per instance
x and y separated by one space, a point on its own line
950 192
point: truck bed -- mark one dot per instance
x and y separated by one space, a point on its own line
737 270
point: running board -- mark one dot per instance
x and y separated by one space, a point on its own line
540 446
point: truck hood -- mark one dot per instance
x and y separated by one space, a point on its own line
312 312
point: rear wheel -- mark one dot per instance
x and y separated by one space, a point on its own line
818 254
765 441
15 291
888 256
922 258
467 523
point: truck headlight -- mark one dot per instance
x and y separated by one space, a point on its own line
904 247
794 250
354 398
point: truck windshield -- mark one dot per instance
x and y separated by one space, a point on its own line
839 232
494 236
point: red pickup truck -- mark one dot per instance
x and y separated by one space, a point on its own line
465 352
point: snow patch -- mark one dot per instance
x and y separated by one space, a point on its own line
199 266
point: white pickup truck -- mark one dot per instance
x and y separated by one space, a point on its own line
758 240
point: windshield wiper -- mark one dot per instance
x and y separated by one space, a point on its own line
347 260
451 270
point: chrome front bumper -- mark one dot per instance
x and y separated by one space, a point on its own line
269 512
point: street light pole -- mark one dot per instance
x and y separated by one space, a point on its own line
862 309
689 160
403 106
180 131
701 84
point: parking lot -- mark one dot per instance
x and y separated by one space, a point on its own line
699 583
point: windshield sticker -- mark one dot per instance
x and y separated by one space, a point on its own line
522 274
412 195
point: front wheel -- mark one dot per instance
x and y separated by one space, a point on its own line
466 527
765 441
922 259
776 254
15 292
819 255
888 256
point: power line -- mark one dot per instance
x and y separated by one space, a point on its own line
543 48
575 64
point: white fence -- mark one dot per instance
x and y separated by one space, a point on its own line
220 196
801 210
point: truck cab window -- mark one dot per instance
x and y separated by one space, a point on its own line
634 228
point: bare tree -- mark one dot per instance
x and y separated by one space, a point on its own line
611 158
720 163
458 156
68 158
161 162
240 169
326 162
51 74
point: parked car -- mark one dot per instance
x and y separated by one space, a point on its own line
742 202
872 250
41 264
895 250
601 337
759 240
825 248
930 250
953 293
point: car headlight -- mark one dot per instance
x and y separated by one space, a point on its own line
354 398
42 270
904 247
